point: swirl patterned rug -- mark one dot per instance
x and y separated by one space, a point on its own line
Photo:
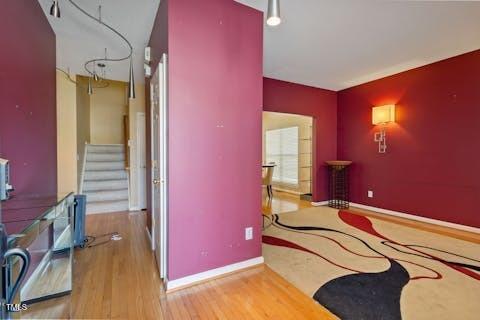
363 268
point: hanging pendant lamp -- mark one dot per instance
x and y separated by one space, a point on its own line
131 82
55 9
273 13
90 88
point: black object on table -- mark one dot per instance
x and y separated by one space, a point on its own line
338 184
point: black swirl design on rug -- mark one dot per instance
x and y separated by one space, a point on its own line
365 295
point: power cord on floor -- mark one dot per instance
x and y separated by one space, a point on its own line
90 240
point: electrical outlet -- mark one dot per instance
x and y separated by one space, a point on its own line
249 233
370 194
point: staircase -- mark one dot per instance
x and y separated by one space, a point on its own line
105 179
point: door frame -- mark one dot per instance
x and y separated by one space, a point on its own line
140 121
162 225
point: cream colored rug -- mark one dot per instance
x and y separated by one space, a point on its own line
363 268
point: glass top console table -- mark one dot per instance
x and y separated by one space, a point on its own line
44 227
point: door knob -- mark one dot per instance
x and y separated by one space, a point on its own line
156 181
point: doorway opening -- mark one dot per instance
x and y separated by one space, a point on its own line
101 143
287 155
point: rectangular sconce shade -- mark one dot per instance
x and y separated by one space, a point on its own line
383 114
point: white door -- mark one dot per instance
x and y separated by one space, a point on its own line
141 161
159 164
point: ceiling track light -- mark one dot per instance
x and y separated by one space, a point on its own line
273 13
87 65
55 9
101 85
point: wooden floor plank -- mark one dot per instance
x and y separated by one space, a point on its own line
119 280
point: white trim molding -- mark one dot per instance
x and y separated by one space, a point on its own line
417 218
210 274
319 204
280 189
149 236
82 174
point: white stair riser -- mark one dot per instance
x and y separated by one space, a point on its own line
106 175
105 157
105 179
92 185
103 166
102 207
111 195
105 148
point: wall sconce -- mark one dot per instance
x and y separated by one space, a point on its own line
381 116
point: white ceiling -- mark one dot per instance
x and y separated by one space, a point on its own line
80 39
336 44
331 44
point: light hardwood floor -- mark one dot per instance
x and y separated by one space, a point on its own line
119 280
282 202
286 202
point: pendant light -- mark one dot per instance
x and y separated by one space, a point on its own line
95 75
90 88
131 82
273 13
55 9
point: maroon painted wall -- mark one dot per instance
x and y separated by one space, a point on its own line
431 167
321 104
215 105
28 97
210 44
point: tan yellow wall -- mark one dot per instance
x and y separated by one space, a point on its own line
275 120
135 106
66 134
107 109
83 123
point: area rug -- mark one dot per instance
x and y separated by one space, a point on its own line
364 268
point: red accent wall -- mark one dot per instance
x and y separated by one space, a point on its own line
321 104
431 167
28 97
215 105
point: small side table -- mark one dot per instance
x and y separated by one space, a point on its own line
338 184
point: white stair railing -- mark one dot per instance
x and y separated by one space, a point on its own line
84 161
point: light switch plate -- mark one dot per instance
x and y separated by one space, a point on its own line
370 194
249 233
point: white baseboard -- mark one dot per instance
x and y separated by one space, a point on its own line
280 189
148 235
318 204
417 218
210 274
134 208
